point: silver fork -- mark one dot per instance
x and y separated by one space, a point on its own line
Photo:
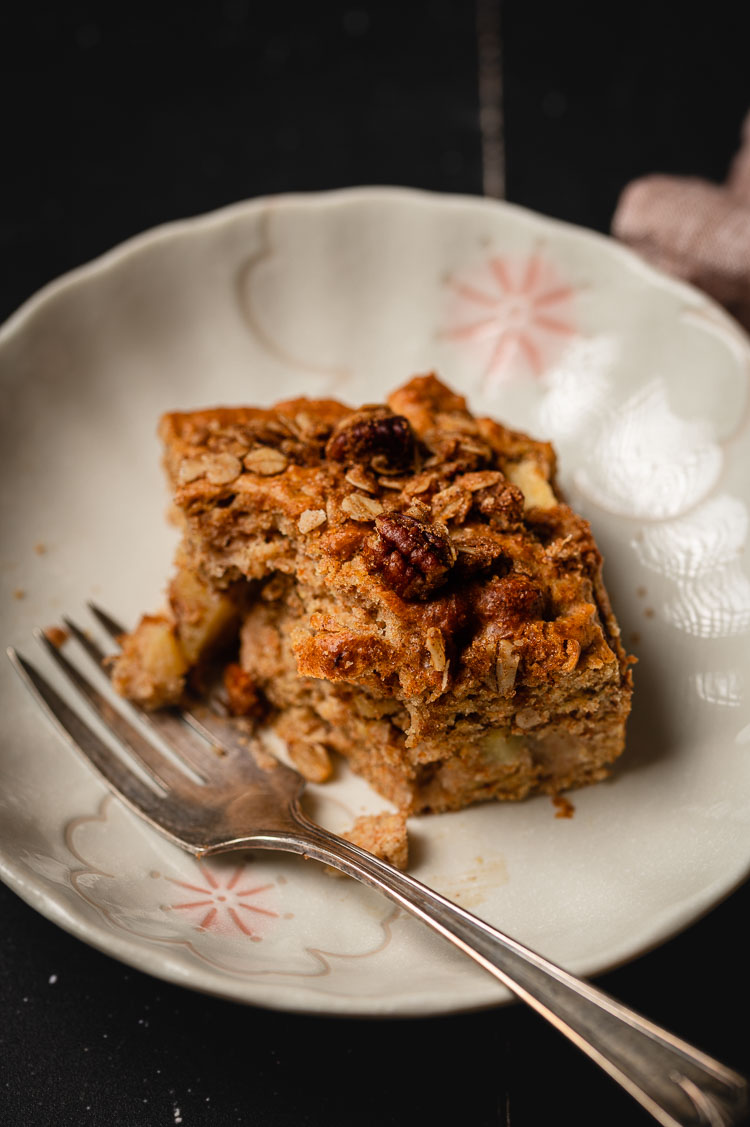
218 793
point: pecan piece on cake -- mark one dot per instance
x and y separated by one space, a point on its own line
411 556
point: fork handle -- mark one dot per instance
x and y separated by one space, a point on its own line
679 1085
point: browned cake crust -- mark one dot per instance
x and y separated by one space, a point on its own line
409 590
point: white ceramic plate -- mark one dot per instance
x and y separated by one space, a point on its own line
643 386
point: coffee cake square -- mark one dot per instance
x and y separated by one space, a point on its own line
401 584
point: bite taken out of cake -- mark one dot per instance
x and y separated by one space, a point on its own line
401 584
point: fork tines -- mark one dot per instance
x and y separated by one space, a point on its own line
175 770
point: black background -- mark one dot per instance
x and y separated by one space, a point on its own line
117 118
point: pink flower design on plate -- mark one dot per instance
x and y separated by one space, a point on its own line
225 903
517 311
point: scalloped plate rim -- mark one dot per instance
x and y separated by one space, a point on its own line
176 228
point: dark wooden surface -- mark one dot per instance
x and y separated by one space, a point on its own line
120 119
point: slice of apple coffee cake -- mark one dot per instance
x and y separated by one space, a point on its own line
402 584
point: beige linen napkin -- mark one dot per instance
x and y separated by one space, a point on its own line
694 229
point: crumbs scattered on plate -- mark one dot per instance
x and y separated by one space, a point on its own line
56 635
565 808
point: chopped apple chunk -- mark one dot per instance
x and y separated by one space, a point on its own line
152 666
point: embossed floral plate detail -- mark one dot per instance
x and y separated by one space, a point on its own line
642 384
